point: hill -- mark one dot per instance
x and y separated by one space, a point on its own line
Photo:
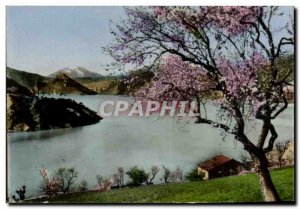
62 84
106 86
243 188
25 83
78 72
12 87
137 79
34 113
26 79
66 81
117 85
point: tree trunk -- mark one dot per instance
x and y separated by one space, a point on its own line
267 187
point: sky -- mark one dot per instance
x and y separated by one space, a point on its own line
45 39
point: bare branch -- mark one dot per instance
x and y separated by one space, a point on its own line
272 139
215 124
281 109
283 41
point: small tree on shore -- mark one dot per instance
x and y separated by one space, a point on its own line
167 174
152 175
121 174
65 178
179 173
100 180
49 185
137 176
103 183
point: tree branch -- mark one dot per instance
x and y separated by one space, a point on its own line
215 124
283 41
272 139
281 109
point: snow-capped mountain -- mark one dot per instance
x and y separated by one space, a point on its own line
78 72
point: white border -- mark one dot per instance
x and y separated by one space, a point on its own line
4 3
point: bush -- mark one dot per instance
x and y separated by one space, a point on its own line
104 184
137 176
83 186
100 180
49 184
177 175
193 175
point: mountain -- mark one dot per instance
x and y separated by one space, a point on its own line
78 72
63 84
18 82
25 83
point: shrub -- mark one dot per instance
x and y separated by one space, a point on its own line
49 185
193 175
137 176
99 180
177 174
121 176
65 178
118 178
104 184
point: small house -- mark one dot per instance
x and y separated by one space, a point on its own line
219 166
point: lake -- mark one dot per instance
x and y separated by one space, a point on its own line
121 141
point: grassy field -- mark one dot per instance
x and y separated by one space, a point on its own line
229 189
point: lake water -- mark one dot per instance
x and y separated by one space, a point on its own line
121 141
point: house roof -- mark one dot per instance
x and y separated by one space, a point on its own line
214 162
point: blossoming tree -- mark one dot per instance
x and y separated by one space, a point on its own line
231 50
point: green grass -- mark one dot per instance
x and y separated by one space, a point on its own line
229 189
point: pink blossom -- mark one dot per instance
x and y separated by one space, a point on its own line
176 81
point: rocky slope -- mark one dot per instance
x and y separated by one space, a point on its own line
106 86
63 84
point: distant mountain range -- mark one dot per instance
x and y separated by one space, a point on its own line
21 82
78 72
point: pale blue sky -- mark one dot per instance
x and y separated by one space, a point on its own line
45 39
